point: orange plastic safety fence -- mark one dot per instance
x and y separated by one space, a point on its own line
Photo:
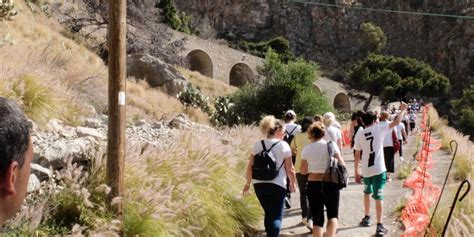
415 216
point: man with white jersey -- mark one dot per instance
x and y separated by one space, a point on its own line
369 144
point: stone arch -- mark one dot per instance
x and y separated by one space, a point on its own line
200 61
342 102
316 88
240 74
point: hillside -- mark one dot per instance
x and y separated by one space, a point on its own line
327 34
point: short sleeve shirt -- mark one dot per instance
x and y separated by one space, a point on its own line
299 142
280 152
370 142
292 128
400 128
317 156
333 134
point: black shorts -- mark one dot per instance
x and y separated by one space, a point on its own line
318 198
412 126
389 155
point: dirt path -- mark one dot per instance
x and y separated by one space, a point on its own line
351 203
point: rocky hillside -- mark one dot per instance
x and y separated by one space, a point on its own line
329 35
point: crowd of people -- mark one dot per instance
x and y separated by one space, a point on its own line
303 152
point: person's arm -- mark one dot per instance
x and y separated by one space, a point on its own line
356 166
339 143
340 159
290 172
397 121
293 147
248 176
304 167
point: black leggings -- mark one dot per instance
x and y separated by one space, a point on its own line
322 194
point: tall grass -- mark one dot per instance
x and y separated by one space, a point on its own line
189 188
192 187
461 223
208 86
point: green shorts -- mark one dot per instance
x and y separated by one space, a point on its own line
375 185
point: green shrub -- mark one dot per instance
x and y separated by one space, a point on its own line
464 109
193 97
279 44
7 10
224 112
171 17
287 86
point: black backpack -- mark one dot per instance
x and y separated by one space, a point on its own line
289 136
264 166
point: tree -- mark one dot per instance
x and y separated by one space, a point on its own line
169 15
373 39
383 76
464 111
287 86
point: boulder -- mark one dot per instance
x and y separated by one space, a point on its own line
33 183
55 153
93 123
40 172
89 132
156 72
180 122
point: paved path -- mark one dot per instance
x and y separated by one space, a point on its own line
351 203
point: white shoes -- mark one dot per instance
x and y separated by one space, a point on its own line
401 158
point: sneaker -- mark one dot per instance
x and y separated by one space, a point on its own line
287 203
310 225
304 221
401 158
381 230
365 221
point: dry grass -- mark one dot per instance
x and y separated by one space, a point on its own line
73 78
208 86
462 220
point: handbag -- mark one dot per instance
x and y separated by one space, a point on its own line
336 173
396 142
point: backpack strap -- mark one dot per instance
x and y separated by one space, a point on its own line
265 148
289 134
263 145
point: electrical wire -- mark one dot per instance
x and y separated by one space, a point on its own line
382 10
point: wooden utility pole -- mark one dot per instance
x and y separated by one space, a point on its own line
117 75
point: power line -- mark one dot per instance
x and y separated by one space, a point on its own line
382 10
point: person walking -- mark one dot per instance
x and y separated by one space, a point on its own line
388 146
299 142
271 193
332 133
402 137
369 144
321 193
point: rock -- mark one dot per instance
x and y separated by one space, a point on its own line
55 125
84 132
93 123
141 122
54 154
33 183
180 122
156 72
40 172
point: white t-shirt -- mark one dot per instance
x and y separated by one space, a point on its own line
292 128
333 134
412 118
370 142
317 156
279 152
388 140
400 127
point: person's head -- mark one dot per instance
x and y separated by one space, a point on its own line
16 153
329 119
356 117
369 118
316 131
290 116
307 121
318 118
384 116
270 126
